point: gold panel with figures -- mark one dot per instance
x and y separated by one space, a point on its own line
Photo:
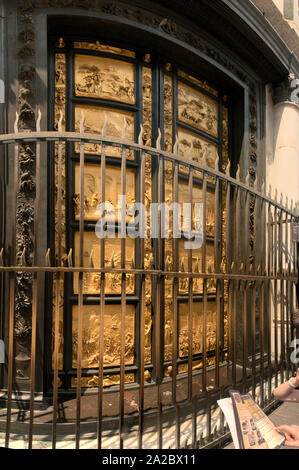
197 110
197 327
196 267
99 47
101 78
112 335
92 251
197 198
92 189
94 121
200 148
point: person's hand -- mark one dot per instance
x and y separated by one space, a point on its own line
297 376
291 434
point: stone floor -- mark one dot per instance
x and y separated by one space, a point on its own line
285 414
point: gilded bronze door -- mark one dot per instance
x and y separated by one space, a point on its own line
105 83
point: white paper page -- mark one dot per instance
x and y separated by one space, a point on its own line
226 406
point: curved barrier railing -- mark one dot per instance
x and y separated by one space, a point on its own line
209 315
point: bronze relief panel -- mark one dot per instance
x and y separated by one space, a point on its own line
94 121
197 110
199 146
197 328
112 331
92 251
102 78
92 189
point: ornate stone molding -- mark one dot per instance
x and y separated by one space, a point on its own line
26 193
283 90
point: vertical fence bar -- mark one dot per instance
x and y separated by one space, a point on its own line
287 297
254 301
142 307
262 300
275 297
102 302
158 306
12 292
80 298
57 292
190 295
175 313
205 294
217 262
246 314
269 294
123 302
234 285
282 324
34 290
220 284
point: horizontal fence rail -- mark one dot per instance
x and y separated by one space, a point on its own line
205 318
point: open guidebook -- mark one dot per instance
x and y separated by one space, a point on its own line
249 426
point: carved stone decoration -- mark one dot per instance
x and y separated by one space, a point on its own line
26 187
283 90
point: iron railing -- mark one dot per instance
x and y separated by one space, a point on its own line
254 263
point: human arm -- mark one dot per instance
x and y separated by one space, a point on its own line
291 434
286 392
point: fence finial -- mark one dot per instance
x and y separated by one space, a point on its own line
1 257
287 202
23 257
247 180
238 173
276 195
60 122
47 258
191 152
270 191
39 116
263 187
91 263
158 142
227 171
70 259
217 160
281 199
140 137
16 123
176 145
82 122
292 203
104 128
112 261
124 129
204 157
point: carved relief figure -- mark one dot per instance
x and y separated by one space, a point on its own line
197 110
98 77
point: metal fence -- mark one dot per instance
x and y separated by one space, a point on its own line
253 271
